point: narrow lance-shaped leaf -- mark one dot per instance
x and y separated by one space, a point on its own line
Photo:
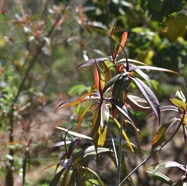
178 103
102 136
56 179
159 136
132 68
120 107
149 96
124 134
122 44
94 173
75 133
112 82
81 116
93 61
97 78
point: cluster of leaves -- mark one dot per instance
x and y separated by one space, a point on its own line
112 103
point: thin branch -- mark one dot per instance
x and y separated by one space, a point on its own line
154 152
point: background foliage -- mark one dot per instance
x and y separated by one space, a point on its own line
42 43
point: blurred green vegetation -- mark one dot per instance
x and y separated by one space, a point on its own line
28 34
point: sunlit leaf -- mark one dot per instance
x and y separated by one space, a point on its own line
80 99
66 164
179 94
124 134
93 61
75 133
149 96
92 151
104 115
178 103
122 44
132 68
123 61
102 136
56 179
158 138
135 105
169 164
94 173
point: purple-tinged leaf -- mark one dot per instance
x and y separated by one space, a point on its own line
121 108
143 75
112 82
93 61
149 96
133 68
75 142
122 61
169 108
56 179
133 103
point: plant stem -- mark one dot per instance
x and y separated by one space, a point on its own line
119 154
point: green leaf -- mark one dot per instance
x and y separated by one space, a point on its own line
149 96
75 133
94 173
178 103
160 176
159 136
102 136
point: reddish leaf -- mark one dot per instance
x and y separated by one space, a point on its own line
81 116
149 96
97 77
122 44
